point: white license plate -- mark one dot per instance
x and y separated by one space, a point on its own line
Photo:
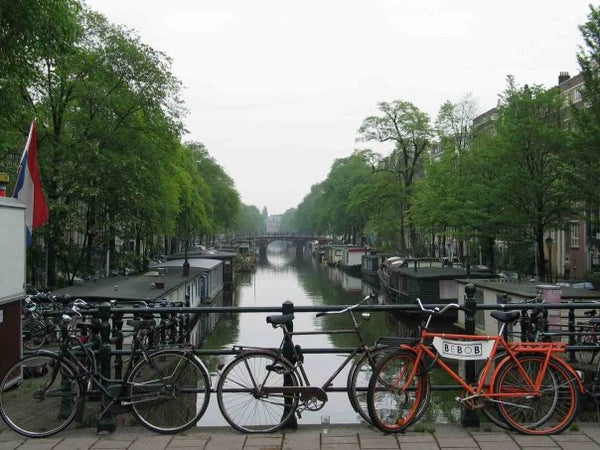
468 350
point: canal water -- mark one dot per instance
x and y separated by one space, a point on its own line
305 282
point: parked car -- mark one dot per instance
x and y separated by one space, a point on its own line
577 284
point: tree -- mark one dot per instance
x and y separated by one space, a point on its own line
287 223
454 122
586 120
344 218
223 200
310 216
249 220
31 33
408 129
529 168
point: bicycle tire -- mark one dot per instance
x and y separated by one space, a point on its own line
359 376
393 405
489 408
170 391
239 395
589 339
549 413
35 413
34 334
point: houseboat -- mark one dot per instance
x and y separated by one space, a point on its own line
497 291
351 259
433 285
201 285
369 266
227 256
332 255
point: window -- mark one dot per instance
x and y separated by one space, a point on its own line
574 234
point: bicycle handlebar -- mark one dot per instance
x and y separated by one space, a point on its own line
369 296
444 309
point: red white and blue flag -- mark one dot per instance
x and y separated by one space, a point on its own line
28 188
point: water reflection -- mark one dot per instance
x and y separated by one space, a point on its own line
281 277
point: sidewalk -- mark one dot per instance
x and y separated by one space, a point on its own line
307 437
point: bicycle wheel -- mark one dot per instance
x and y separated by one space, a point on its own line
40 396
170 391
399 392
34 334
489 408
589 338
552 411
242 400
359 376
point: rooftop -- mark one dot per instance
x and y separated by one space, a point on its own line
152 285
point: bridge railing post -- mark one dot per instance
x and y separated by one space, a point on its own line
469 416
288 351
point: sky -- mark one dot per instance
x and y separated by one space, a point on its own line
277 89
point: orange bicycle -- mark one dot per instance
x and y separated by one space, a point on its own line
534 391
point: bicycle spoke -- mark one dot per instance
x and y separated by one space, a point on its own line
38 398
244 404
397 393
549 410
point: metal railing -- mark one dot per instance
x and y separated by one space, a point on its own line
110 319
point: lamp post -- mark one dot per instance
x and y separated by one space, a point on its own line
549 241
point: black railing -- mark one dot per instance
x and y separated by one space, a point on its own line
110 320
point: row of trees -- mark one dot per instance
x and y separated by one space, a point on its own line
527 171
112 160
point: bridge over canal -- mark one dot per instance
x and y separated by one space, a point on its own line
262 241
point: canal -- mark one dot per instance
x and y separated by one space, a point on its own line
305 282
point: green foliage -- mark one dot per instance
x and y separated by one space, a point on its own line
586 121
249 220
109 129
409 130
287 224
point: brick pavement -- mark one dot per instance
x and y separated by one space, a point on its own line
582 436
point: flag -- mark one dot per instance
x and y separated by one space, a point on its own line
28 188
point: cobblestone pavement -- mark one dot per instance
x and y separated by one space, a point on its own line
582 436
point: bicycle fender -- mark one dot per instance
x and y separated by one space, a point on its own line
63 359
191 355
556 360
573 373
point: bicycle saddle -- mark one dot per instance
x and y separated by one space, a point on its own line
280 319
507 316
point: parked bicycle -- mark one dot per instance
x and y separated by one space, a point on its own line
36 328
535 391
533 327
588 334
262 389
592 388
167 390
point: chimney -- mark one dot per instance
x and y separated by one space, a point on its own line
562 77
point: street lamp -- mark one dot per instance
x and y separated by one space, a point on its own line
549 241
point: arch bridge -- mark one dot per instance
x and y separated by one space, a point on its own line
262 241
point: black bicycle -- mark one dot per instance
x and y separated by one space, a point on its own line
588 335
37 327
167 390
261 389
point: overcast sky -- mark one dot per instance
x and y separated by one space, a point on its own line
277 89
